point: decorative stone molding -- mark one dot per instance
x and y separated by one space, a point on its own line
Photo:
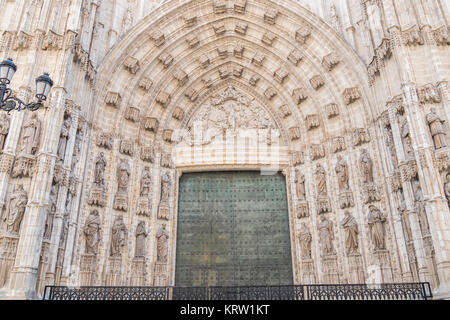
331 110
163 99
299 95
317 82
241 28
312 121
144 207
219 28
178 114
239 6
323 204
23 166
269 38
208 81
168 135
52 41
145 84
219 6
104 140
317 151
270 93
280 75
294 133
338 144
238 51
270 16
158 37
192 94
285 111
181 76
204 61
190 20
441 35
330 61
429 94
360 136
97 196
132 114
295 57
192 40
412 36
258 59
165 59
147 154
127 147
346 200
442 160
166 160
23 41
132 65
120 202
254 79
302 210
298 158
224 72
370 193
222 51
61 175
113 99
408 170
6 162
151 124
351 95
302 34
238 71
395 181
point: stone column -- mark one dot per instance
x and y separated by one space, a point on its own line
24 274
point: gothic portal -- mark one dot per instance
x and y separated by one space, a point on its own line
119 179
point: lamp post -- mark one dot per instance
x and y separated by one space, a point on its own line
8 102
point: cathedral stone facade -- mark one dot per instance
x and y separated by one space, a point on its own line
348 99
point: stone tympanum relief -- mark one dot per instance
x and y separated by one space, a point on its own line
229 114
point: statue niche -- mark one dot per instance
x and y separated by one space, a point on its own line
98 190
345 193
437 129
143 202
162 246
376 222
118 237
63 139
302 205
369 190
123 178
92 232
164 206
323 202
141 235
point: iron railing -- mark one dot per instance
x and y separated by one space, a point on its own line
392 291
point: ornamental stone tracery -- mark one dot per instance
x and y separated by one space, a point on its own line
167 87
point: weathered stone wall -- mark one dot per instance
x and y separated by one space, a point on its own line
133 77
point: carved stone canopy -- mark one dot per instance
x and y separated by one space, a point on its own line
230 113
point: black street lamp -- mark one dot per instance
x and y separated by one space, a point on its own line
9 103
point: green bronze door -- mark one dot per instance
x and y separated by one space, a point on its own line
233 230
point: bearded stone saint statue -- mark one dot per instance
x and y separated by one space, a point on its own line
305 238
326 235
141 235
31 136
342 174
351 232
162 237
92 232
437 129
366 166
15 209
300 185
376 224
4 129
64 137
118 237
99 172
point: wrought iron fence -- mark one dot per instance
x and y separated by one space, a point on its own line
394 291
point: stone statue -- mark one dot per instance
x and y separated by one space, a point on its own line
123 176
99 173
31 135
162 237
146 183
326 235
51 211
77 149
165 188
300 185
64 137
342 174
447 188
376 224
351 232
389 139
305 239
118 236
65 225
141 235
4 129
16 209
406 137
420 208
366 166
437 129
92 232
321 180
